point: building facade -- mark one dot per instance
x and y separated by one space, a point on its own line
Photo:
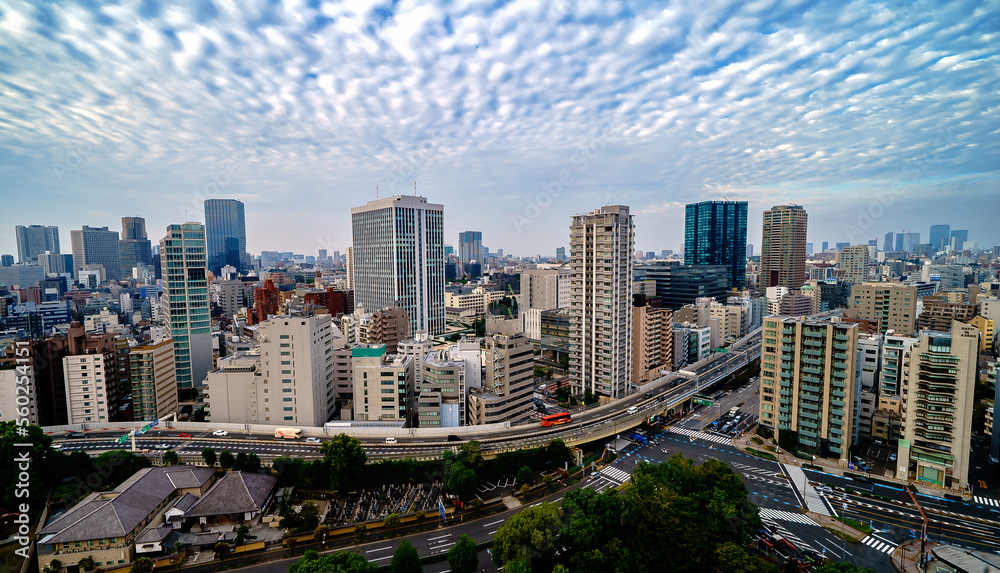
853 264
134 247
715 233
601 245
894 305
652 341
783 247
154 380
383 384
185 296
33 240
470 247
97 246
508 383
808 391
226 235
398 259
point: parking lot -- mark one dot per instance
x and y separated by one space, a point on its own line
875 459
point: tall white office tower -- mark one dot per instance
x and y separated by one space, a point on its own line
185 295
398 259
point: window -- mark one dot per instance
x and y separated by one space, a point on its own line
283 337
286 389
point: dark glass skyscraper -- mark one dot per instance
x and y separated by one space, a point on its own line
715 233
226 234
940 234
134 247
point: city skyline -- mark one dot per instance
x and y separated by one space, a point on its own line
141 110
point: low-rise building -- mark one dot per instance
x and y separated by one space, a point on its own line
508 383
383 384
154 380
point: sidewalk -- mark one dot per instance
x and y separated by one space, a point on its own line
831 467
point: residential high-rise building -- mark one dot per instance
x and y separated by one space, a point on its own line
940 234
91 375
853 264
32 240
808 393
154 380
470 247
560 254
783 247
398 259
97 246
508 384
230 297
441 401
349 266
288 380
715 233
226 235
134 247
891 373
937 413
652 340
939 312
893 304
185 295
541 288
391 375
601 245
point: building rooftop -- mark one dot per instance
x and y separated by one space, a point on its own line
236 492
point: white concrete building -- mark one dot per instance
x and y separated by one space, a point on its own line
383 384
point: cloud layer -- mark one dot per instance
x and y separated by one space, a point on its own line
302 108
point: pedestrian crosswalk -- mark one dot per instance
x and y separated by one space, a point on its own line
878 544
789 536
989 502
779 515
701 435
615 474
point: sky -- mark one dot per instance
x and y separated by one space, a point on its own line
876 117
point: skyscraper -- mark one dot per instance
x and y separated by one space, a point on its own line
601 245
715 233
887 242
783 247
226 233
34 240
900 239
940 234
958 238
134 247
470 246
97 246
398 259
185 290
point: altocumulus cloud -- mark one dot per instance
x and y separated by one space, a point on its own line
137 107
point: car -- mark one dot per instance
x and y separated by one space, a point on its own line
313 440
185 435
220 433
632 410
861 479
825 488
892 457
57 447
390 440
454 438
162 447
664 450
76 435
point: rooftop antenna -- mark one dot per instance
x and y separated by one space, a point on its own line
414 188
376 191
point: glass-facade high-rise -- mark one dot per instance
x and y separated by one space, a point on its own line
470 247
185 301
226 233
397 259
940 235
715 233
134 247
34 240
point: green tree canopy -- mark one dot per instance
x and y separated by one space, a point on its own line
345 460
208 454
842 568
528 536
170 458
525 476
462 481
141 565
226 460
339 562
732 558
406 559
463 557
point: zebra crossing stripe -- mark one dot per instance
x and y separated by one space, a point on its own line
877 544
986 501
616 474
779 515
702 436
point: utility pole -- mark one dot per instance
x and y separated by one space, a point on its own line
923 530
843 524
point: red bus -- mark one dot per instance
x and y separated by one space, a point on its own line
555 419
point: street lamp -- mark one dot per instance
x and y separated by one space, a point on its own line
843 525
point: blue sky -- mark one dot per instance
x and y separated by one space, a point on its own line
875 116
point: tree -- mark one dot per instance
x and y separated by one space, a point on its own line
406 559
525 476
243 535
455 337
226 460
54 566
308 517
391 522
208 454
421 516
141 565
241 461
525 489
199 415
463 557
339 562
170 458
558 451
732 558
320 532
549 481
462 481
471 454
221 550
360 531
528 535
345 461
86 564
180 554
564 362
252 463
187 410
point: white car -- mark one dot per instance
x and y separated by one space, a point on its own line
220 433
313 440
162 447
